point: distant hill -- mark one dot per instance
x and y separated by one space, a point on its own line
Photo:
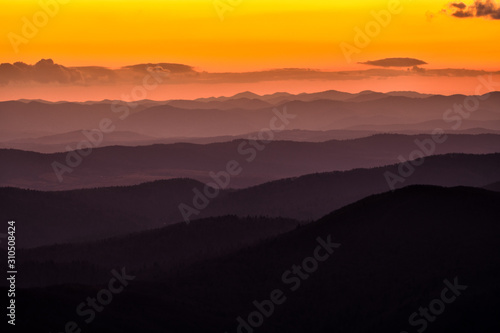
315 114
245 114
312 196
279 97
396 249
98 213
491 126
246 103
119 166
53 117
59 142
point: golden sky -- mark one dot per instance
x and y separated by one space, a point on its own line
253 35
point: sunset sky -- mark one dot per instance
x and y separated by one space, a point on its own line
253 36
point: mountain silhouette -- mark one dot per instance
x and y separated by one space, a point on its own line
91 214
318 111
392 253
118 165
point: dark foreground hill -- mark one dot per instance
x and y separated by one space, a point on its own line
168 248
45 218
389 257
493 187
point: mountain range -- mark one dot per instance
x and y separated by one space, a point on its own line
259 162
372 279
240 115
80 215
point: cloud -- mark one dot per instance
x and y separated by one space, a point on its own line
459 5
168 71
480 8
166 67
97 74
457 72
46 72
462 14
395 62
417 69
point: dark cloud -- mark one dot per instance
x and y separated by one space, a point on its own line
480 8
395 62
47 71
459 5
44 71
462 14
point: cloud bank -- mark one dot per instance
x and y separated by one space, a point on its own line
46 72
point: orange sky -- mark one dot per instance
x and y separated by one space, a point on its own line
254 35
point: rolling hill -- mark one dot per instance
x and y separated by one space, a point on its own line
259 162
80 215
245 114
393 253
